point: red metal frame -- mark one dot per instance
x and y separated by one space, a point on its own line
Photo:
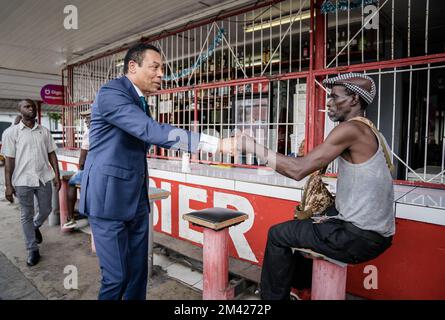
39 112
396 63
315 95
420 184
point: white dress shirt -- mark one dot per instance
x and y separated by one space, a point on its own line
30 148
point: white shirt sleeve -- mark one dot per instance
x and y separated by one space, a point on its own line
208 143
85 140
8 144
50 143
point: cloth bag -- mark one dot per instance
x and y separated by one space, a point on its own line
316 197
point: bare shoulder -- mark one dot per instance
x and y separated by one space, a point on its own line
348 130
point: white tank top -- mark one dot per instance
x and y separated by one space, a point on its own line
365 194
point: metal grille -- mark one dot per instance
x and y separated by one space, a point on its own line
410 104
274 112
265 41
411 118
259 71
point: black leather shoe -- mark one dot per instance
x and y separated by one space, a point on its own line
39 238
33 258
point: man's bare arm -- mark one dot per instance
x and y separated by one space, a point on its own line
9 170
54 163
340 139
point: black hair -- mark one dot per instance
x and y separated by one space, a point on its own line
363 103
27 100
136 53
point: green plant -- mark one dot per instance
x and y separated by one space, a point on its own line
54 116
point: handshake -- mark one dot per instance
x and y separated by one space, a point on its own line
242 143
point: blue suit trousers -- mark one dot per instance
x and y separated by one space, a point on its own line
122 249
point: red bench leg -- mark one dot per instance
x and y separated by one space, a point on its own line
216 265
63 204
328 281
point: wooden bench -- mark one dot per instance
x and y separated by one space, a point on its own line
216 223
328 276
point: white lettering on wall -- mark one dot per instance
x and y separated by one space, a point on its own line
186 194
166 220
237 232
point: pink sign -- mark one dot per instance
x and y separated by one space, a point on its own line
52 94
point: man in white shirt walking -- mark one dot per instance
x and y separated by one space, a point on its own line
31 165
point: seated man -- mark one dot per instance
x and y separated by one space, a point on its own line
77 178
362 223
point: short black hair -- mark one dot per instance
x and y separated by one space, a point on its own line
363 103
27 100
136 53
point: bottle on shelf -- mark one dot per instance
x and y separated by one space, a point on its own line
342 40
203 65
249 60
240 57
306 49
211 64
362 43
370 40
178 68
329 47
354 44
218 62
266 55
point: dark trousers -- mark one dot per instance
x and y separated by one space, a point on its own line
122 249
283 269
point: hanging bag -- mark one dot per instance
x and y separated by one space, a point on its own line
316 197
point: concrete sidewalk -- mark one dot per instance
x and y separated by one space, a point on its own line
14 285
46 279
59 250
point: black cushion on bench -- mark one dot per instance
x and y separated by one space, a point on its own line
215 218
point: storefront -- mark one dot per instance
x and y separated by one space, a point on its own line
259 70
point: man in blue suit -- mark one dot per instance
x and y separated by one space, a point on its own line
114 184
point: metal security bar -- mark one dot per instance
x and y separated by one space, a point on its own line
371 30
247 45
274 112
391 31
411 119
259 70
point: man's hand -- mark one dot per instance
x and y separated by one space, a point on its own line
227 145
9 192
245 143
57 183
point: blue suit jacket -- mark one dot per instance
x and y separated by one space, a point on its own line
116 166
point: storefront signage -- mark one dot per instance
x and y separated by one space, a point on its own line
52 94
